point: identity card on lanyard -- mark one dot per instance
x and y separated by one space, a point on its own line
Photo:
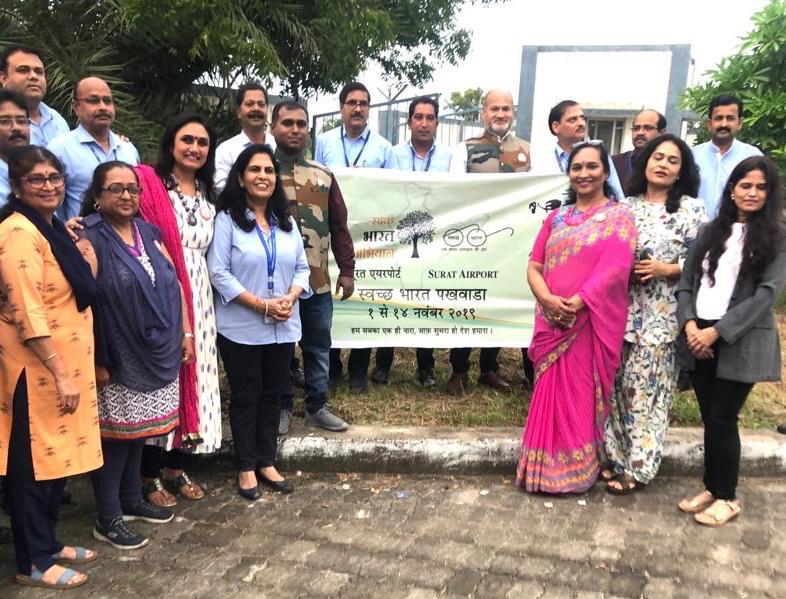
270 254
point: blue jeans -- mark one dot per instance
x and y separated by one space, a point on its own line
316 317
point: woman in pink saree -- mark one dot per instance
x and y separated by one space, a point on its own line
578 272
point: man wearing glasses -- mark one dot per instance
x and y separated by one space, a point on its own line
14 133
22 71
353 144
90 144
647 125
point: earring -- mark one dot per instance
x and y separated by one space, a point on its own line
97 207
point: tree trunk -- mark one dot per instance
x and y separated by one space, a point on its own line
415 247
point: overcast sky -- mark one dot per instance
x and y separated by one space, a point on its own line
711 27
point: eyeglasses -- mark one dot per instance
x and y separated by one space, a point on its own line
96 100
56 180
20 121
202 142
116 190
647 128
357 103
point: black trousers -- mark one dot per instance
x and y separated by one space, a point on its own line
459 359
154 458
256 375
34 504
720 402
424 356
117 482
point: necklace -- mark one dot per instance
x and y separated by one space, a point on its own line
191 219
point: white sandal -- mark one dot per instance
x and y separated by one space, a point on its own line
719 513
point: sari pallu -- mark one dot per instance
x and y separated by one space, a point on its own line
591 254
156 208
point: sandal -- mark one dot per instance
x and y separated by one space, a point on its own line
182 485
63 582
694 505
156 494
719 513
624 484
83 556
608 472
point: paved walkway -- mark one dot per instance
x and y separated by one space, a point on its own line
392 537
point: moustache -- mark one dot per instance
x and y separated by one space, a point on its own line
100 114
17 135
258 115
726 129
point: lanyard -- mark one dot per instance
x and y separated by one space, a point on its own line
270 253
429 155
558 156
344 147
99 160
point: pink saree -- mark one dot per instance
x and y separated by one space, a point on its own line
591 254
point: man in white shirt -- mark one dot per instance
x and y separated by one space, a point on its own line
252 104
718 157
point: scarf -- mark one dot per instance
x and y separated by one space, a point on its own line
156 208
72 264
140 323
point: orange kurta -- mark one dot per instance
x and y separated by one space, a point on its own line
36 300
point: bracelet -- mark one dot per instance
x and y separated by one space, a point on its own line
264 300
256 306
50 357
188 335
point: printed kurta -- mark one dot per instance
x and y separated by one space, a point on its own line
36 300
647 380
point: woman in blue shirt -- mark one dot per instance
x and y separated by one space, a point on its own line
258 266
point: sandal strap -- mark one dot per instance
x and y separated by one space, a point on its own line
66 576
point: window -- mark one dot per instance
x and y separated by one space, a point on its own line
608 130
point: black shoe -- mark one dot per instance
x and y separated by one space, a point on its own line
251 494
358 384
333 382
279 486
426 378
117 534
782 428
147 512
380 376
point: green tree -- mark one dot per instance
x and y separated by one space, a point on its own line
757 73
468 103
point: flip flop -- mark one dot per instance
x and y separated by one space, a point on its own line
719 513
694 505
628 485
36 579
82 556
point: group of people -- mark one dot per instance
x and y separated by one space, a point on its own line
123 283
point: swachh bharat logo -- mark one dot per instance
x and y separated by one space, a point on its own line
415 227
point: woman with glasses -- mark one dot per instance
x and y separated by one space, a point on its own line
177 197
663 187
48 409
578 271
141 339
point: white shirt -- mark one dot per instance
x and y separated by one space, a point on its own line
713 302
228 151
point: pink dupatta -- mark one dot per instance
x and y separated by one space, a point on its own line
156 208
590 254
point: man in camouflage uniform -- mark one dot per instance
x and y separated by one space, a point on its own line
497 150
318 208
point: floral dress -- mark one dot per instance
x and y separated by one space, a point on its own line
646 381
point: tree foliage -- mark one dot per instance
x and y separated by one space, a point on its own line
756 73
468 103
413 227
164 57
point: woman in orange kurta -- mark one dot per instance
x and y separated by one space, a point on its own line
48 408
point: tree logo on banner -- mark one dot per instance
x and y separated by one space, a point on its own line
416 226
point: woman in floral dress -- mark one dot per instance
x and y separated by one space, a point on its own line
178 197
664 184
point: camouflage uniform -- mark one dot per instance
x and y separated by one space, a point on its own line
318 207
490 154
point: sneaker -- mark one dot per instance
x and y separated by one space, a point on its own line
284 421
324 418
380 376
426 378
147 512
118 535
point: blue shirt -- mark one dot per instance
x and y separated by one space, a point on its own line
369 150
561 157
237 262
5 187
51 125
715 169
437 159
80 154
